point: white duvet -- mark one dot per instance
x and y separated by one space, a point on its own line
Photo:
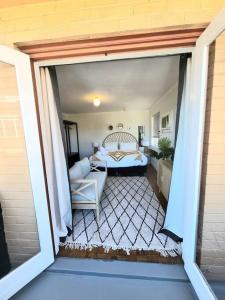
127 161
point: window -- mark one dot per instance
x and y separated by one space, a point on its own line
155 129
166 121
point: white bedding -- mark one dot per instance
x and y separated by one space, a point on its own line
127 161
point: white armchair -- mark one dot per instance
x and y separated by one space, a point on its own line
87 187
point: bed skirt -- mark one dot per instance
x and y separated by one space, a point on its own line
127 171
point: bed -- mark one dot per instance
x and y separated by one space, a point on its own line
120 151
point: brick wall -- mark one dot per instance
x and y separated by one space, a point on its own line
212 259
15 188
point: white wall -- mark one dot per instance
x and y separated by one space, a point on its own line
93 127
164 105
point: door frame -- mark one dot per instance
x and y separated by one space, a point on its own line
160 41
23 274
199 78
97 58
196 277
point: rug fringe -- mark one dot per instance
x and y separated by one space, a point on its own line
78 246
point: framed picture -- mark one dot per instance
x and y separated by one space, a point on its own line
166 121
120 126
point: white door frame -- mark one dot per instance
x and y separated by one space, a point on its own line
96 58
198 104
18 278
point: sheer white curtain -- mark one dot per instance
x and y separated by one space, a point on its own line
56 168
175 210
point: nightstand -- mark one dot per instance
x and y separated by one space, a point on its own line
144 149
164 174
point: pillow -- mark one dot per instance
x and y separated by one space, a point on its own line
128 146
103 151
85 166
111 146
75 173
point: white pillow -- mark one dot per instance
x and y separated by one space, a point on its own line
85 166
111 146
103 151
128 146
75 173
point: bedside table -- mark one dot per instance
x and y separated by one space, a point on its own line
164 174
144 149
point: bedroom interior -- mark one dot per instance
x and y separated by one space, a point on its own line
109 131
117 128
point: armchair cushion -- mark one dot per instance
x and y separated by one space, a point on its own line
85 166
75 173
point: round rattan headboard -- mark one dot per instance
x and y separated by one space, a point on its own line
120 137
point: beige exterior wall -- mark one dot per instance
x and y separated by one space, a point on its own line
61 18
213 176
64 18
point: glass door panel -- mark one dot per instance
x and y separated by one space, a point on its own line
25 237
19 227
211 229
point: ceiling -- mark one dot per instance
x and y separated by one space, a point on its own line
129 84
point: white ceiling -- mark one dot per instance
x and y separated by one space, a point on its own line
129 84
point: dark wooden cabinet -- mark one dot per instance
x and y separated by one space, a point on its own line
72 158
73 155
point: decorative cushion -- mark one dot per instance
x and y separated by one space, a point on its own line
85 166
128 146
111 146
95 158
103 151
75 173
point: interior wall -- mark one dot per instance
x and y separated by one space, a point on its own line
164 105
211 241
93 127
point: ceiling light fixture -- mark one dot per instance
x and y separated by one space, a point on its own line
96 102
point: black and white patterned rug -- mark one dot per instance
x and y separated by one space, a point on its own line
130 218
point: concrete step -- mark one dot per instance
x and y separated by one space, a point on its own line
88 279
120 269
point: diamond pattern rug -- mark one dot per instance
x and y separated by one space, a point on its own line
130 218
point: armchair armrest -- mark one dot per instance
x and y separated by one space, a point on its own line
83 181
95 164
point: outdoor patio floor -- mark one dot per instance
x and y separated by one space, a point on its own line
75 279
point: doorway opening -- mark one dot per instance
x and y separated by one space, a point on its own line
119 175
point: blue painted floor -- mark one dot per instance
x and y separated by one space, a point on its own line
219 289
88 279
